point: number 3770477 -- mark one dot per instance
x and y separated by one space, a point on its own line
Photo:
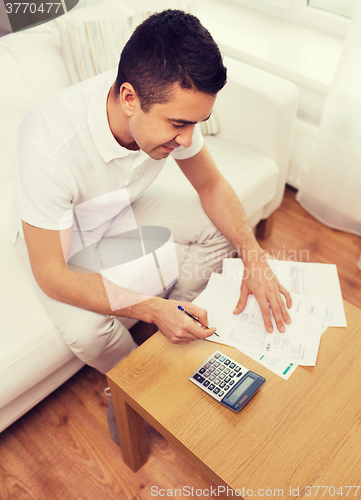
25 7
331 491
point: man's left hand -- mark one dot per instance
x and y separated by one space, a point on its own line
260 281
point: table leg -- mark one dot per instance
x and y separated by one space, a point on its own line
264 227
131 433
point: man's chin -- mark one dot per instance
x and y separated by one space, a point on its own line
160 153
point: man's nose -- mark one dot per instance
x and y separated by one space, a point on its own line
184 138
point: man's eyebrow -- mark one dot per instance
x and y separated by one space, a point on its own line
187 122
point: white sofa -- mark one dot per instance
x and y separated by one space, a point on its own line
255 112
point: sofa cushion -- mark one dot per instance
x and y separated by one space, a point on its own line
23 403
31 348
92 38
252 176
210 126
33 68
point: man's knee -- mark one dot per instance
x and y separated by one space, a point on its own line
90 335
101 343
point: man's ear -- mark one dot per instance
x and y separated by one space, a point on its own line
128 98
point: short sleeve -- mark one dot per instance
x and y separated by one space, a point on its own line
183 153
43 197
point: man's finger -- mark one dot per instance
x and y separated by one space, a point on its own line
287 296
180 336
200 332
266 314
192 330
198 312
242 299
284 312
277 314
203 317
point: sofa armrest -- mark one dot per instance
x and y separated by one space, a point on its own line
258 110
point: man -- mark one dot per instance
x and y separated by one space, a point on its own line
85 159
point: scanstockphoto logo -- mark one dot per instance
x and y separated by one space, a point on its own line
135 263
18 16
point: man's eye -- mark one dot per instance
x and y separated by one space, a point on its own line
177 126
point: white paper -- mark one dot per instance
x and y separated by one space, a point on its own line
281 367
218 312
304 278
299 343
313 279
246 331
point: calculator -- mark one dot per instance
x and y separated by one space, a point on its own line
227 381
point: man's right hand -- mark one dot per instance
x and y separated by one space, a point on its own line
176 326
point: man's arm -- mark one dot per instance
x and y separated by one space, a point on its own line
222 206
48 253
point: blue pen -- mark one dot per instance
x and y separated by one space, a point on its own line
195 319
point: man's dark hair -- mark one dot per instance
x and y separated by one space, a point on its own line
167 48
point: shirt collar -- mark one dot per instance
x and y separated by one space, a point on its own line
104 140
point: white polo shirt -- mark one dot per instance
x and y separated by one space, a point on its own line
67 156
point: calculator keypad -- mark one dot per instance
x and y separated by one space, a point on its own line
218 374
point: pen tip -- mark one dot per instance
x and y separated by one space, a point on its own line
181 308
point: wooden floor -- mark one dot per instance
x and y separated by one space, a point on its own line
298 234
61 450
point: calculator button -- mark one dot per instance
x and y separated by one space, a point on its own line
217 355
237 368
232 365
217 372
221 376
226 388
231 382
207 365
206 383
202 370
199 378
222 358
222 384
211 369
221 393
211 377
216 364
222 367
212 360
227 362
217 381
227 379
211 387
207 374
216 390
227 370
239 374
232 374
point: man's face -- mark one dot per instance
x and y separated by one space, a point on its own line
168 126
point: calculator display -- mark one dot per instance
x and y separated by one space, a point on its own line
240 389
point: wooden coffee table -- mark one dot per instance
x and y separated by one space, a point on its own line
301 433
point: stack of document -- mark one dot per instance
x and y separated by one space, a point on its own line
316 304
